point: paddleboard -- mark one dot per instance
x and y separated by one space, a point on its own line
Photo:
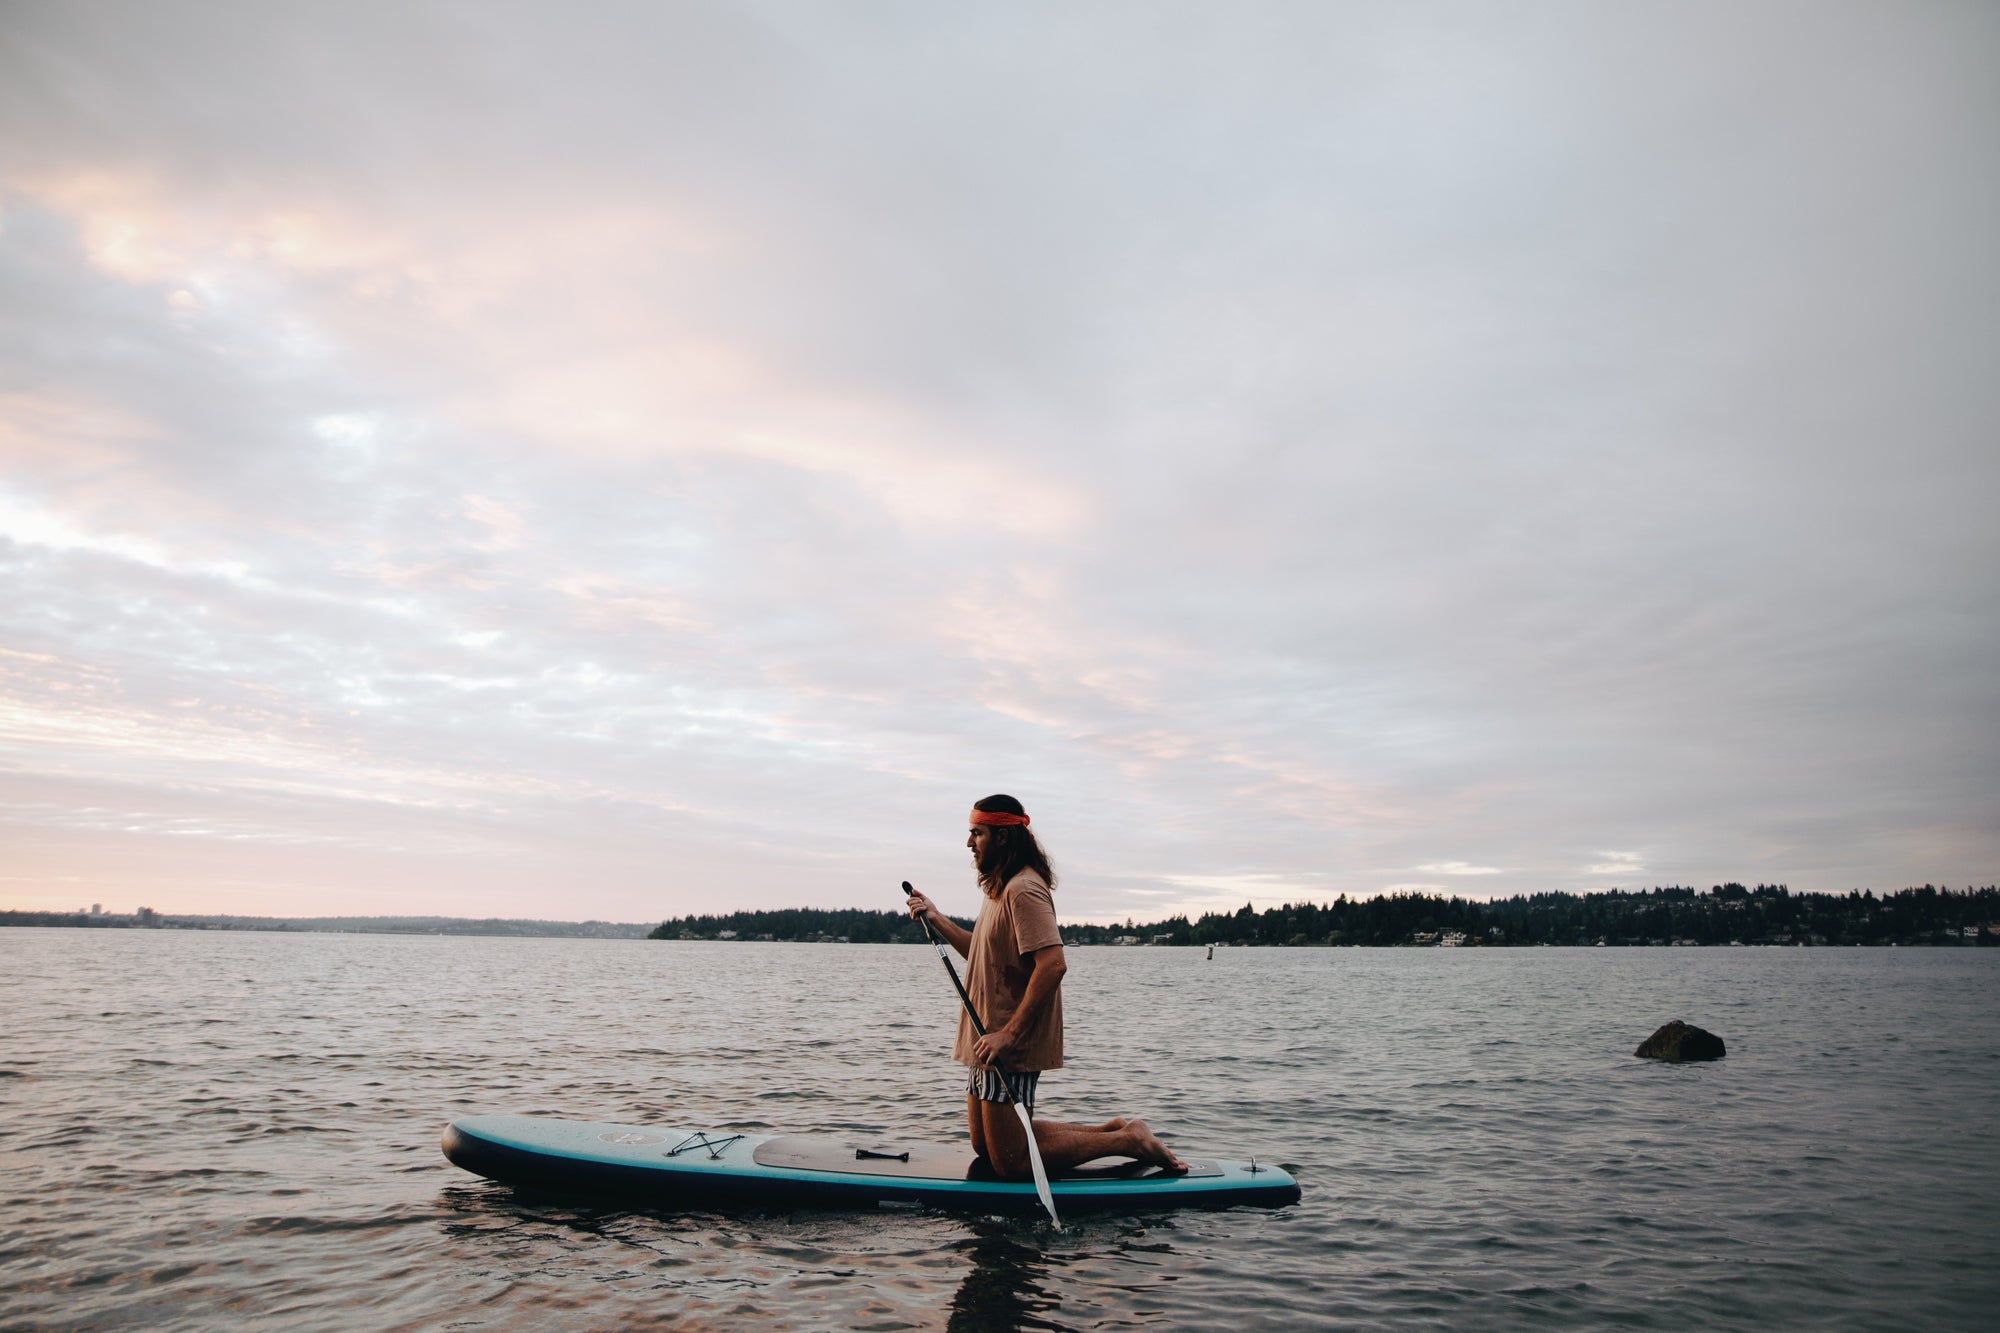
697 1167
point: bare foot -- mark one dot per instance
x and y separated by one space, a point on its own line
1147 1147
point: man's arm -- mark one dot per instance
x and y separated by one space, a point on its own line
1047 967
957 936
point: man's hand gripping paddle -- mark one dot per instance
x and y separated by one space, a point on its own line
1027 1124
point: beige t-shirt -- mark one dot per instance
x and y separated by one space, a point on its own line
1021 920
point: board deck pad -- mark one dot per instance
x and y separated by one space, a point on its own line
934 1161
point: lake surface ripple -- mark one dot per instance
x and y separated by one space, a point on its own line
206 1130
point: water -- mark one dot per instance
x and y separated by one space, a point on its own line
203 1131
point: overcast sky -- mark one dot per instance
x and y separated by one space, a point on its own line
624 460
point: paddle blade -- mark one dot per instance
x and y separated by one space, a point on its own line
1035 1160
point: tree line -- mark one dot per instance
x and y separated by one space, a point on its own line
844 925
1725 914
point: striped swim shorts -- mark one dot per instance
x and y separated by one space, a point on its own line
985 1085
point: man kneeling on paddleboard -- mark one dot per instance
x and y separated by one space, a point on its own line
1014 971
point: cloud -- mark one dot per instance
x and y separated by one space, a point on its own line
690 453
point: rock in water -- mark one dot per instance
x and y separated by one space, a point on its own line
1679 1041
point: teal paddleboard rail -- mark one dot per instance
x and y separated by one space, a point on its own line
715 1167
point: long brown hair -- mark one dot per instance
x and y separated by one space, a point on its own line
1010 849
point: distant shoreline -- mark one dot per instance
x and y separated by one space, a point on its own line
1727 915
145 919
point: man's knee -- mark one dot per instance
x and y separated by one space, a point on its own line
997 1136
1012 1165
975 1125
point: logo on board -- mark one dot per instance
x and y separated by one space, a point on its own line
630 1136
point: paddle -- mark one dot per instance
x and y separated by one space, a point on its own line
1027 1123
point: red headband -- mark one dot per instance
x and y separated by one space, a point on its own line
997 817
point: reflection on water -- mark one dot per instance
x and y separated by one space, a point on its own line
1004 1289
1010 1272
